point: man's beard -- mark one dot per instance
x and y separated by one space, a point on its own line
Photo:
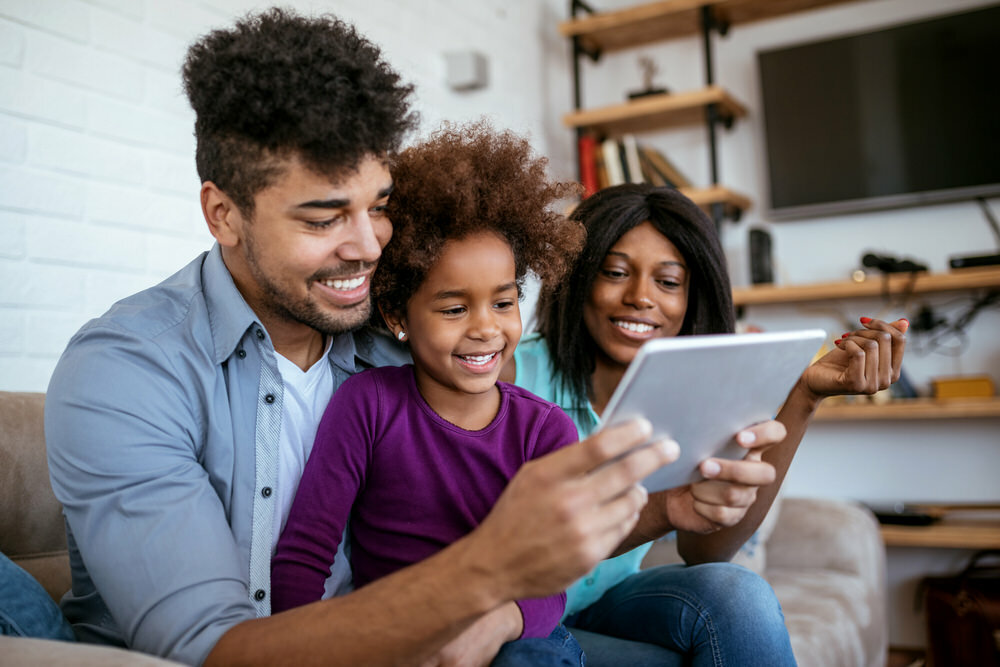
281 304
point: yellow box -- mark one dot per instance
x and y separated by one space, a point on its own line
963 386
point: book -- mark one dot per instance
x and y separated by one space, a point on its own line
587 149
650 174
631 160
613 162
602 172
665 167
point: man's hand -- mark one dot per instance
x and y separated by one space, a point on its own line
481 641
561 514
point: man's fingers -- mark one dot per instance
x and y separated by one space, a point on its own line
598 449
635 465
613 520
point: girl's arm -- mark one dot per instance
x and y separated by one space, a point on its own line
330 482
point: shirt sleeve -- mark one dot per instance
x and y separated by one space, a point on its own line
333 476
123 434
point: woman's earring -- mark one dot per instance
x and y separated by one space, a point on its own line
401 335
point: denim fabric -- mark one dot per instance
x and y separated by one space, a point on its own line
26 610
559 649
712 614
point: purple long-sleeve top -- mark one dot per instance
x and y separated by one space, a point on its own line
410 482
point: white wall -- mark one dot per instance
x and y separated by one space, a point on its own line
98 190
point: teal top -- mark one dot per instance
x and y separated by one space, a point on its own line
534 373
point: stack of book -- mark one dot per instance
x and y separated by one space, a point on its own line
622 160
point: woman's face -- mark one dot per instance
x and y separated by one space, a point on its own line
640 293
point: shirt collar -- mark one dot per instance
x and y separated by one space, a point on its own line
229 314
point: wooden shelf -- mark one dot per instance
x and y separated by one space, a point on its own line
670 19
911 408
656 112
893 285
947 534
717 194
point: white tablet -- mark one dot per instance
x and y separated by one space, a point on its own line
702 390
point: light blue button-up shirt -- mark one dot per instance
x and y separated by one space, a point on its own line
161 422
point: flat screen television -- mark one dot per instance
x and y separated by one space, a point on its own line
897 117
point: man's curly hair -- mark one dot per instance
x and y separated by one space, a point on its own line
466 179
277 86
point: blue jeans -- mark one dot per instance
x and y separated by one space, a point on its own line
559 649
712 614
26 610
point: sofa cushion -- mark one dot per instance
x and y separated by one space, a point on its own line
32 530
826 613
38 652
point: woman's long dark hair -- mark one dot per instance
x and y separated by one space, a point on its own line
607 216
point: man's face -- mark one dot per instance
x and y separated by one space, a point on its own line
306 256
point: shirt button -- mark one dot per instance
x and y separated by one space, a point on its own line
266 492
269 398
259 595
242 354
260 334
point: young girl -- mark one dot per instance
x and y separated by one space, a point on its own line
420 453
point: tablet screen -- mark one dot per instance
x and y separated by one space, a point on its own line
702 390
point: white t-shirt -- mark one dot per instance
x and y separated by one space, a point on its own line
306 396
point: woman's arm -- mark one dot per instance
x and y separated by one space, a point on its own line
715 517
865 362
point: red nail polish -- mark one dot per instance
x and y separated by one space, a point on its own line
845 335
865 320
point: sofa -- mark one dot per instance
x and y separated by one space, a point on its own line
33 535
826 562
824 558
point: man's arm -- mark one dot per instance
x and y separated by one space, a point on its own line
558 517
121 435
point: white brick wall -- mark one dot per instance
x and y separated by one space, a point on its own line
98 190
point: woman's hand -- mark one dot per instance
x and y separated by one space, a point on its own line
721 500
865 361
730 486
479 643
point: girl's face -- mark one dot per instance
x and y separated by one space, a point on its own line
640 293
463 323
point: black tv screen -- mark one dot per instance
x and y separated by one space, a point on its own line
898 117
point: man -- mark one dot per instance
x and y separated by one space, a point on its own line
178 423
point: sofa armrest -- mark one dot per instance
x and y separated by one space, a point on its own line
817 533
43 652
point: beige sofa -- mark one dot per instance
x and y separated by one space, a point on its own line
826 562
824 559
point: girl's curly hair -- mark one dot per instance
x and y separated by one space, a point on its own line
466 179
278 85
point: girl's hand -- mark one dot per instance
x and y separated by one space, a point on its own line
865 361
479 643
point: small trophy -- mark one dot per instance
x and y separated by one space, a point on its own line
649 69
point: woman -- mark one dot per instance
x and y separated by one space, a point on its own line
653 267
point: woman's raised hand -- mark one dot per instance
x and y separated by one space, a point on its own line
865 361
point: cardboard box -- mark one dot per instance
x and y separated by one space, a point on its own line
963 386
